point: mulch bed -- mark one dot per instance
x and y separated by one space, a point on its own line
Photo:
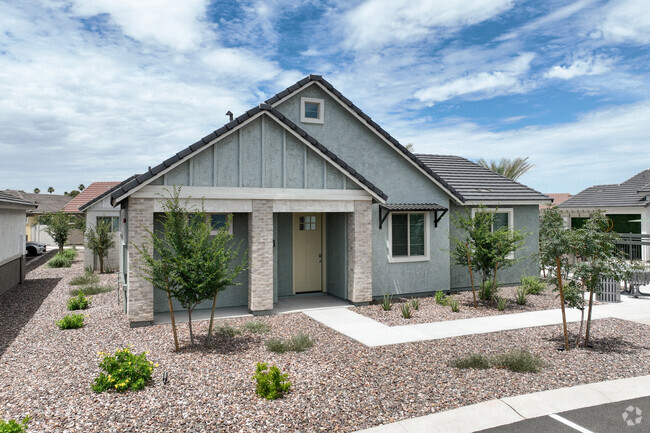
338 385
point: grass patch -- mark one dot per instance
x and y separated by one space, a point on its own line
95 289
298 343
228 330
519 361
256 327
70 254
533 285
475 360
71 321
501 304
87 279
454 304
521 296
59 261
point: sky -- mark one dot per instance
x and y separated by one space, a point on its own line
97 90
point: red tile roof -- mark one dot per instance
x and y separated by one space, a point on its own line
91 191
558 198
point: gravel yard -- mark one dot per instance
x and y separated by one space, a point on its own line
338 385
431 312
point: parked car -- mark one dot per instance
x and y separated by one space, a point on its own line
35 248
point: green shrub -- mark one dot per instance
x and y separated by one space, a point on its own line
123 371
440 297
87 279
71 321
298 343
415 304
521 295
12 426
387 302
406 311
70 253
519 361
95 289
256 327
475 360
533 285
501 304
228 330
487 292
454 304
59 261
271 383
79 302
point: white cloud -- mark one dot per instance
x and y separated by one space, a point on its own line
505 80
580 67
377 23
625 21
178 24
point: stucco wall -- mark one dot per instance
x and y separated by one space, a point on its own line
12 233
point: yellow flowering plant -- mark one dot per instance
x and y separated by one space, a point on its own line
124 371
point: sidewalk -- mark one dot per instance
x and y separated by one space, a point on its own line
372 333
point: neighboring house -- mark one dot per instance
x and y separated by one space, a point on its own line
558 199
326 201
13 217
625 204
95 203
47 203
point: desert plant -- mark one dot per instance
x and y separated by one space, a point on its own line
123 371
454 304
533 285
71 321
475 360
298 343
512 168
387 302
13 426
256 327
271 383
501 304
406 310
488 290
79 302
70 253
440 298
521 296
519 361
415 304
94 289
59 261
228 330
86 279
100 241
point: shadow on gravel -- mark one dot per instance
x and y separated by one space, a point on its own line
18 306
221 345
602 345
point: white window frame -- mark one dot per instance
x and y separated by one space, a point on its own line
321 110
232 222
511 219
404 259
97 218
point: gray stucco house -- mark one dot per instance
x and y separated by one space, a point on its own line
326 200
13 217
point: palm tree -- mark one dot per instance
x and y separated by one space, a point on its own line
50 189
81 187
36 190
513 169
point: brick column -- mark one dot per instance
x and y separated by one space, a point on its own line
360 253
140 291
260 253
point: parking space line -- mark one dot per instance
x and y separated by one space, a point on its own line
569 423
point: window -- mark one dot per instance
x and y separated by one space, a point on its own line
502 217
308 223
113 223
217 221
409 236
311 110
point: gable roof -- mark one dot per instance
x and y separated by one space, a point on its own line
89 193
109 191
558 199
46 202
478 184
630 193
13 201
140 180
435 177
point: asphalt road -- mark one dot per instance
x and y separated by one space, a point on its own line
630 416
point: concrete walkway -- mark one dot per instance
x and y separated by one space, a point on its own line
509 410
372 333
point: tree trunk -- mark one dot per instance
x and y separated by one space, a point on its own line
494 283
171 312
559 284
591 303
189 318
214 304
101 264
471 276
582 320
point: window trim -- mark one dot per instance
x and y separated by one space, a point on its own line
321 110
232 221
427 240
511 219
111 225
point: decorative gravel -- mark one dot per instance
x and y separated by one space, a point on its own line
431 312
338 385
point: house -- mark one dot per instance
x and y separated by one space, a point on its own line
558 199
13 217
47 203
326 201
94 202
625 204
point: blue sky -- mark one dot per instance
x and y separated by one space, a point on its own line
96 90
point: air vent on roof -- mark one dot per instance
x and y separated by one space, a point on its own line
484 190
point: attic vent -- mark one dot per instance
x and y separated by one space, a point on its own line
484 190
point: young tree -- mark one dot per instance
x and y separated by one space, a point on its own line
50 189
193 264
37 191
59 224
512 168
100 241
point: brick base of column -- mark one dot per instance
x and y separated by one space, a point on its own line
260 253
140 291
360 253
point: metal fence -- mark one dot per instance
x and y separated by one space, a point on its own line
610 290
630 245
